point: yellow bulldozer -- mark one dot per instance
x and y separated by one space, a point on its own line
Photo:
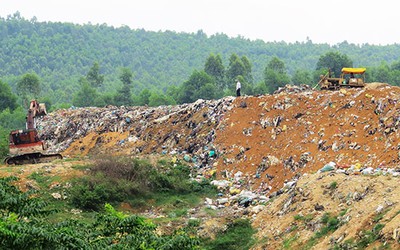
349 78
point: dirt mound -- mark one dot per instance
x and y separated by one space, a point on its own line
376 85
273 138
358 203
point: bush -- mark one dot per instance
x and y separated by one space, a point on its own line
138 173
114 179
91 192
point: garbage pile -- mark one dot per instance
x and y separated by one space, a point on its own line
256 144
272 139
292 89
187 129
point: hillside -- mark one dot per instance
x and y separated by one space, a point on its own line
61 53
310 168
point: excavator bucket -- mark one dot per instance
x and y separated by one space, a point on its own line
42 110
38 109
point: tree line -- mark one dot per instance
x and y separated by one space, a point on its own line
61 53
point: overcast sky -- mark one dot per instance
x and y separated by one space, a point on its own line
356 21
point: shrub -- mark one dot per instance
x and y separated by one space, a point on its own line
370 236
91 192
333 185
114 179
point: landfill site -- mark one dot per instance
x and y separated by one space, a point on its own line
276 159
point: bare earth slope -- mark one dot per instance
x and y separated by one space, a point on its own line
271 145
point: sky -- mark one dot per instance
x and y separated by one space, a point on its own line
332 22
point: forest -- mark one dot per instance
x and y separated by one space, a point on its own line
70 65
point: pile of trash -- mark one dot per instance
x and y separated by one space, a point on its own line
187 130
273 138
293 89
269 139
269 156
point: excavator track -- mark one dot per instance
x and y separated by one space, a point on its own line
31 158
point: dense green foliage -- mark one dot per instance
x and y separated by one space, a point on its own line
23 225
61 53
114 179
335 62
275 74
3 142
7 99
238 235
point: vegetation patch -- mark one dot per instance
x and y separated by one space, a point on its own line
237 236
24 224
330 224
116 179
306 218
288 242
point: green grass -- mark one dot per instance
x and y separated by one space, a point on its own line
72 159
9 169
306 218
81 167
380 215
211 212
44 180
41 179
330 223
287 243
238 236
370 236
343 212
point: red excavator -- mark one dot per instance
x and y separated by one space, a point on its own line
25 145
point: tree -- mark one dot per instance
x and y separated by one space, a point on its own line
123 96
160 99
29 87
302 77
239 68
275 75
236 68
260 89
207 91
3 142
126 76
7 98
215 68
13 119
191 89
334 61
382 73
94 77
86 96
248 77
144 97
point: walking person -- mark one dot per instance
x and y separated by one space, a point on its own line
238 87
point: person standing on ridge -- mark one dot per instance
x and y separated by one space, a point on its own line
238 86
